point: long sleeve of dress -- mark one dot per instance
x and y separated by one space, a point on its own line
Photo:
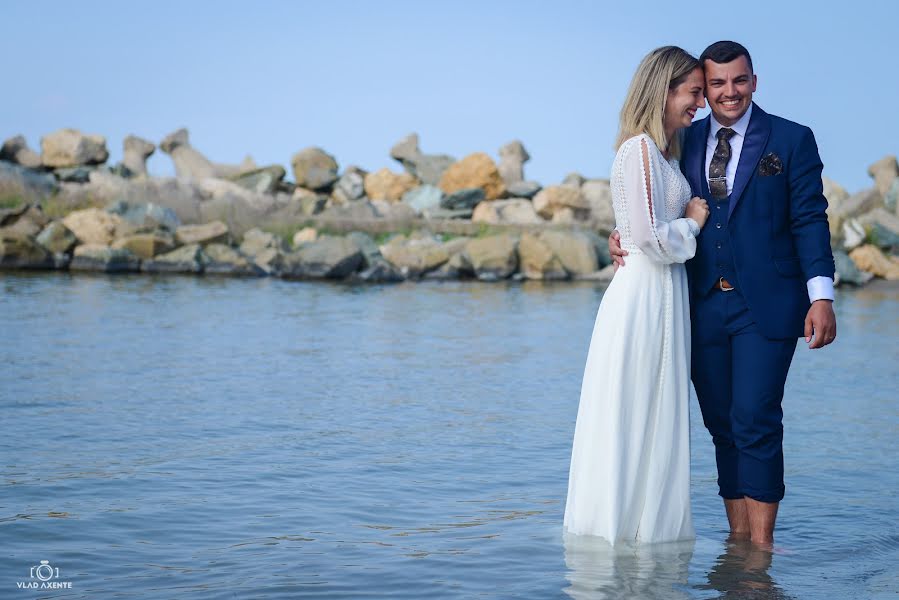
644 184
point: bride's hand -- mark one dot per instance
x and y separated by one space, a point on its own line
698 210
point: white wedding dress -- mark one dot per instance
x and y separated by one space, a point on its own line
630 463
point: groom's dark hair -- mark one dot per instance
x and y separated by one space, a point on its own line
724 52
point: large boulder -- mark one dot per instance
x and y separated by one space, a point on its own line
265 249
266 180
414 257
523 189
598 194
136 153
885 171
537 259
145 216
20 251
466 198
475 170
836 195
146 245
186 259
424 197
27 219
95 226
427 168
847 272
220 259
57 238
189 163
314 169
881 227
555 199
207 233
350 186
512 157
97 257
387 185
870 258
575 251
16 150
17 181
494 257
515 211
71 148
891 199
329 257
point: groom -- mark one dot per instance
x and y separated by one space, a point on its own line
761 277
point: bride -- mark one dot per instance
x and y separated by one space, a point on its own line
630 462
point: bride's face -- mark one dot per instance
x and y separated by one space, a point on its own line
684 100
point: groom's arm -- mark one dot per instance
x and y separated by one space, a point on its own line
808 210
811 237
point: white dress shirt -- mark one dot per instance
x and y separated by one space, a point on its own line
819 288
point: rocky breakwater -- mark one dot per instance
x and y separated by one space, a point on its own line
437 218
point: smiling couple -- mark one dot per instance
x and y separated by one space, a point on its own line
728 262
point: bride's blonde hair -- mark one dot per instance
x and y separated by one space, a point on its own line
661 70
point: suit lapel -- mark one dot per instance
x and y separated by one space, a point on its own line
753 146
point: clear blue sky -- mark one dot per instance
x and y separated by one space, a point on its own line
353 77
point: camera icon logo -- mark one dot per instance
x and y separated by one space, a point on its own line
44 571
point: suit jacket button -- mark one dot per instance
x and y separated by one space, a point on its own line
717 225
718 245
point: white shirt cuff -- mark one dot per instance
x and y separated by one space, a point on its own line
820 288
693 225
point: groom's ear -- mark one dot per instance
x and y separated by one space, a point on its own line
755 82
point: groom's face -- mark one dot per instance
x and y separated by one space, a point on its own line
728 88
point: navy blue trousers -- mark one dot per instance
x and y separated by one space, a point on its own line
739 377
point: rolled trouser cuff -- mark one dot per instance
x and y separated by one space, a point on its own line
769 496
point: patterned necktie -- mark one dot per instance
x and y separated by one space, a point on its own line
718 167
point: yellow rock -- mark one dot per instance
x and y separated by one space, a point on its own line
474 171
387 185
869 258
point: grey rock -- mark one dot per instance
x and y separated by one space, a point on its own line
853 234
523 189
146 245
847 272
360 210
220 259
427 168
328 257
57 238
379 271
136 153
466 198
598 194
514 211
206 233
425 197
186 259
16 150
145 216
885 171
416 256
71 148
445 213
891 197
350 186
574 180
370 253
29 184
74 174
314 169
511 164
20 251
192 164
96 257
27 219
264 181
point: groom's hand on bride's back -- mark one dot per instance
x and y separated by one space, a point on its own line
615 249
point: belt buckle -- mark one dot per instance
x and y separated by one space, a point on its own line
721 286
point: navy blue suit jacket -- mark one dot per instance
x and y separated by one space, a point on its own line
776 223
